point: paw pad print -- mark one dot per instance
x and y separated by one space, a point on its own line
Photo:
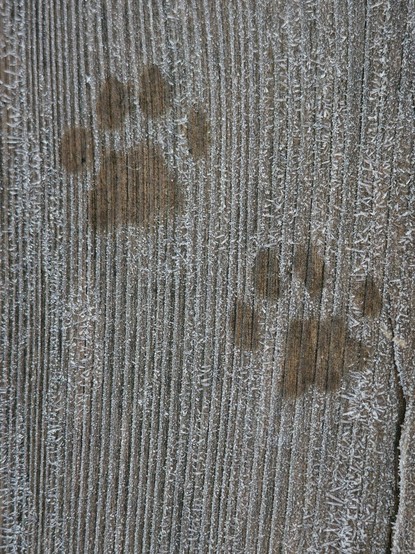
244 322
315 348
133 186
112 104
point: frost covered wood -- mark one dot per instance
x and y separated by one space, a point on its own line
207 284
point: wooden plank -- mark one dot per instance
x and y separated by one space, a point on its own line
207 276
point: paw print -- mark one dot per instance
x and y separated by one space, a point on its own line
133 186
315 347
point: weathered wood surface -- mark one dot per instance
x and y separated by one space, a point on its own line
207 279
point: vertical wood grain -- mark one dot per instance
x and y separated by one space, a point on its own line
207 276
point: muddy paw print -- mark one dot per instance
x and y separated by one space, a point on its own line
317 349
135 185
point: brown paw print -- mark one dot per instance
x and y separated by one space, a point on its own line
244 322
317 349
133 186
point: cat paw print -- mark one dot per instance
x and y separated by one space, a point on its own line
135 185
318 350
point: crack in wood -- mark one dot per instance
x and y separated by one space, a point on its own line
401 401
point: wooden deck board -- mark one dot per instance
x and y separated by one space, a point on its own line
207 277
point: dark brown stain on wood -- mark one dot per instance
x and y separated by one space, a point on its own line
309 268
266 273
294 375
198 132
155 95
316 353
133 187
368 297
245 326
333 340
76 149
112 103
